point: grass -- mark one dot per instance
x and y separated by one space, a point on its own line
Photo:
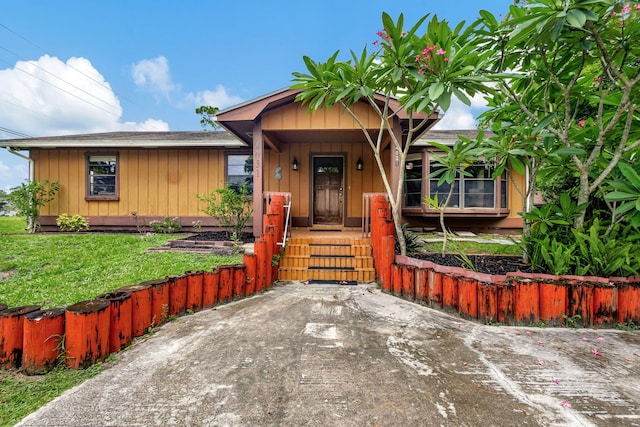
57 270
476 247
12 225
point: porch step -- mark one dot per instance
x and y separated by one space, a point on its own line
332 259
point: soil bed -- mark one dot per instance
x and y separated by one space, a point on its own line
218 236
488 264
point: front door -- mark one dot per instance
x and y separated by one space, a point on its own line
328 190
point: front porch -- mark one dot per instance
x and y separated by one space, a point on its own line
327 255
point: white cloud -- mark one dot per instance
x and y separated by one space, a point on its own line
154 75
51 97
216 98
460 115
13 174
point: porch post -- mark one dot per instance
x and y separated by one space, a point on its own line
258 158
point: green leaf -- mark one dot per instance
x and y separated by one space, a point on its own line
630 174
576 18
435 90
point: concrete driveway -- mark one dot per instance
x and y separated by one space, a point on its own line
323 355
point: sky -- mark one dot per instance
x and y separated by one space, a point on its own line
72 67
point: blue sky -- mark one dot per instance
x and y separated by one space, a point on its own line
71 67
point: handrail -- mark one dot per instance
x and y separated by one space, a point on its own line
286 225
366 211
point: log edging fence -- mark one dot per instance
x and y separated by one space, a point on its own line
86 332
513 299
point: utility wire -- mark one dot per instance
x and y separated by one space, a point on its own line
14 132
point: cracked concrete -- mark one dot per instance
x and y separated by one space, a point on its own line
321 355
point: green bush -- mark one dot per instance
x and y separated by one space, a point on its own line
72 223
167 226
231 206
30 197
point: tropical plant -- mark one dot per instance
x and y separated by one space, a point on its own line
29 197
409 72
450 165
231 206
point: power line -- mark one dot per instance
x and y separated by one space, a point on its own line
100 83
14 132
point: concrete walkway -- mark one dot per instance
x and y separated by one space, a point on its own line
320 355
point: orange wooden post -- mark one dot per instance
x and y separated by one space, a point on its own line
604 308
86 326
487 302
468 297
629 302
160 302
260 250
239 280
526 301
250 261
409 281
506 314
141 306
42 336
270 238
12 334
277 207
177 295
210 288
435 288
397 279
225 290
581 300
450 291
195 283
553 301
388 252
120 319
422 283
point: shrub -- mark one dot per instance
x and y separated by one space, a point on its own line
72 223
167 226
231 206
30 197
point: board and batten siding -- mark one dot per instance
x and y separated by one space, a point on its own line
151 182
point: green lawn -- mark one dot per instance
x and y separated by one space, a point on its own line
12 225
57 270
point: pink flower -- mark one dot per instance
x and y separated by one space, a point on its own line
611 284
555 380
540 342
447 59
585 339
418 58
421 71
380 33
404 33
600 338
565 404
540 362
637 7
441 51
626 9
582 122
376 42
528 332
595 352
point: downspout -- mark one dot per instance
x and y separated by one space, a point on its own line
29 159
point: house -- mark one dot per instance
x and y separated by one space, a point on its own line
122 180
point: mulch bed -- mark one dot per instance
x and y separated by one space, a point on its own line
218 236
488 264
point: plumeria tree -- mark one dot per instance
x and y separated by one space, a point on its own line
568 75
417 69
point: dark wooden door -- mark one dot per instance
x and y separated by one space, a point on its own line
328 190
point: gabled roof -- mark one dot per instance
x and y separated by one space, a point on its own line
129 140
240 119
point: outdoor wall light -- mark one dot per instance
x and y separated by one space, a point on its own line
359 164
295 165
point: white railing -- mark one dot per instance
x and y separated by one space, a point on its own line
266 197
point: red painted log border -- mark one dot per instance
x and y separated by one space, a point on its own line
516 298
95 328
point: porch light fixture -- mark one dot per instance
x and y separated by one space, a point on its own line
359 164
295 165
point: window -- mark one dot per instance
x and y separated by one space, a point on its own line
413 182
240 171
475 190
102 177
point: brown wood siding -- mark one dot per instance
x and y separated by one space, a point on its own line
151 182
296 116
298 182
515 202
